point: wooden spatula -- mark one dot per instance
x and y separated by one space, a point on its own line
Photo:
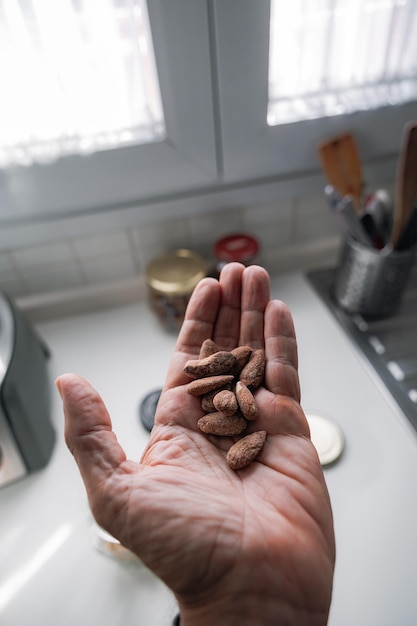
342 167
406 182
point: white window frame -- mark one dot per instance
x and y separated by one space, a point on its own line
252 149
108 181
212 59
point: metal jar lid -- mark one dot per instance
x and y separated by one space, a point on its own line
176 273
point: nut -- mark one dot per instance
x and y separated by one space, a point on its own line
242 355
212 365
246 401
201 386
253 373
207 401
221 424
228 411
246 450
208 347
225 401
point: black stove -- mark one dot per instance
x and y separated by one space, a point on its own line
390 343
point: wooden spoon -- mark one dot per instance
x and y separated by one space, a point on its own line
406 182
342 167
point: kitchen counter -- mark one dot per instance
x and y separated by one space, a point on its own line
51 570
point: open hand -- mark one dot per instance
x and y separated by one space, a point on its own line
253 546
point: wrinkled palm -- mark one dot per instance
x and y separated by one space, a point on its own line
206 530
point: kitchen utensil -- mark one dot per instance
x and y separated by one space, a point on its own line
346 215
378 205
368 223
342 167
408 237
406 182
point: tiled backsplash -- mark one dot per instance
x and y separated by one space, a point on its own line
123 254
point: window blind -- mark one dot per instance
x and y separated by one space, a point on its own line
332 57
77 76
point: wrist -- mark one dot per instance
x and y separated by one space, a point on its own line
246 611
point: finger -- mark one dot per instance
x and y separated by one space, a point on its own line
255 297
197 326
88 432
227 329
281 373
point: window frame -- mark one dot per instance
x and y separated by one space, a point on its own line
219 152
254 150
112 179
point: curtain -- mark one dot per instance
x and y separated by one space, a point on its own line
76 76
331 57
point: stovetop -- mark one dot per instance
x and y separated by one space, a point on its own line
390 344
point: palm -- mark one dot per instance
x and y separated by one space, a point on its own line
195 522
274 502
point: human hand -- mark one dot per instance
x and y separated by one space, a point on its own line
254 546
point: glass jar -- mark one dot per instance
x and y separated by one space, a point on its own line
171 279
238 247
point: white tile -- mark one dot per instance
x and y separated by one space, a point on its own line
212 225
106 269
58 278
7 267
267 213
31 260
14 287
313 226
205 229
114 243
311 205
270 224
150 240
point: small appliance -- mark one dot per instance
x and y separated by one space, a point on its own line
27 436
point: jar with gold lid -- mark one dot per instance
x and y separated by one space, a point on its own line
171 279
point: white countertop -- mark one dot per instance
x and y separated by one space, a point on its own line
51 572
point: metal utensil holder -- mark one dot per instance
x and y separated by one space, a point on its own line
371 281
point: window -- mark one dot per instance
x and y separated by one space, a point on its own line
334 58
238 127
284 155
77 76
92 183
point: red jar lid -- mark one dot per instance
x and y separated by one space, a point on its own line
236 247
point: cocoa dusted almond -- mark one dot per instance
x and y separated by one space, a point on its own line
224 382
253 373
242 355
201 386
244 451
225 401
208 347
207 401
221 424
212 365
246 401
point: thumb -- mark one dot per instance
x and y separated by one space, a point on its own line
88 432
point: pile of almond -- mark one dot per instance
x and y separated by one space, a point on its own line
225 382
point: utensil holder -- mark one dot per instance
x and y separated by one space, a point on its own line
371 281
